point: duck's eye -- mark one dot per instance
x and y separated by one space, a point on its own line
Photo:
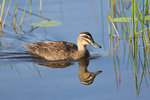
87 37
88 41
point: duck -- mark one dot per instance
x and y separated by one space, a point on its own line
62 50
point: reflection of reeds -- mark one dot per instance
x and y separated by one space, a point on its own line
38 71
2 65
15 68
136 30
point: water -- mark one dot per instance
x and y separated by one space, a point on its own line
23 76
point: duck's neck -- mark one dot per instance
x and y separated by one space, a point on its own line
81 47
82 51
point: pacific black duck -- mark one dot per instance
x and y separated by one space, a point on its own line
62 50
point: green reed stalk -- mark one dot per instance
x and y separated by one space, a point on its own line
14 24
149 7
2 11
132 30
113 14
31 7
24 13
146 13
109 31
142 24
126 24
137 23
121 14
2 14
133 56
40 6
132 21
31 14
7 13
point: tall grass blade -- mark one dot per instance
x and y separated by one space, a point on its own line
40 6
34 14
7 13
47 23
2 14
23 13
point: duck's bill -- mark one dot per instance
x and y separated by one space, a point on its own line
95 45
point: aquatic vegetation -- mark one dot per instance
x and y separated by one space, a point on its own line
25 21
23 13
15 17
135 33
2 14
47 23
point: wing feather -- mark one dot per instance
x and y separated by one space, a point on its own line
52 49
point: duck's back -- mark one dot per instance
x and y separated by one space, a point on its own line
53 50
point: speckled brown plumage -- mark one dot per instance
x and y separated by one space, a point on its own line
62 50
56 50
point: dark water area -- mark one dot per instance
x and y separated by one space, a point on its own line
28 77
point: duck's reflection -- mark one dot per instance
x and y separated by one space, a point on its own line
85 76
57 64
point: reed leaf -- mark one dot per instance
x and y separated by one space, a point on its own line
122 19
2 14
23 13
128 19
46 23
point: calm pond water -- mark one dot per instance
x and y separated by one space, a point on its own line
25 77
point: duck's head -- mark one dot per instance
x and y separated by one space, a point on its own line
85 38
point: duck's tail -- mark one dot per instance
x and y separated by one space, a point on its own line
30 47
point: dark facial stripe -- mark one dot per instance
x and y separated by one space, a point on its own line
87 41
86 36
86 33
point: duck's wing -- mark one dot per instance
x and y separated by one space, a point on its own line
51 48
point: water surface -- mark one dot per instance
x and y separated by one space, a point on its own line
23 77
